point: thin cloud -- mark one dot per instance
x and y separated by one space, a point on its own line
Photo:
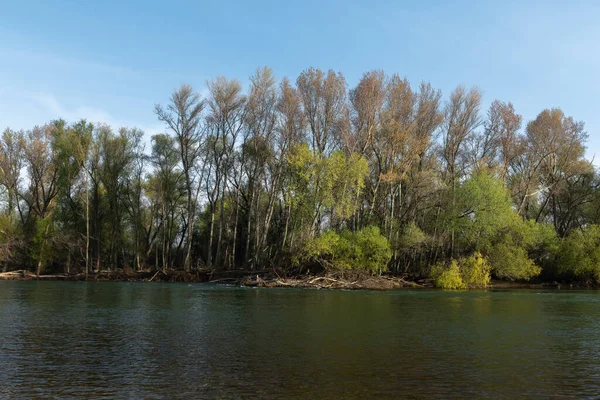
50 105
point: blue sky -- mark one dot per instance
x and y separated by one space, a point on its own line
111 61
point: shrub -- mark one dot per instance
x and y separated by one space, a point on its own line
448 277
512 262
473 271
374 252
579 255
519 249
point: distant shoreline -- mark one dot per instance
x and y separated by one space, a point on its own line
262 279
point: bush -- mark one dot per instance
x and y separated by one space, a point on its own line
519 249
365 250
448 277
579 255
512 262
473 271
373 249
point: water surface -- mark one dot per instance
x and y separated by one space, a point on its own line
140 340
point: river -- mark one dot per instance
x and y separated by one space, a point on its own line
156 340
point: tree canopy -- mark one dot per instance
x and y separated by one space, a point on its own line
378 177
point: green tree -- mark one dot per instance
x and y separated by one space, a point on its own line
579 255
486 221
365 250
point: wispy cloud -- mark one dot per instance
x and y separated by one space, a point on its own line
48 59
50 105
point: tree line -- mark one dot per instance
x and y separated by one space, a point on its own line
303 176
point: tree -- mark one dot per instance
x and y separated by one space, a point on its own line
253 178
116 160
461 119
365 250
579 254
324 100
500 140
486 222
42 175
183 116
258 158
225 122
558 142
11 163
166 188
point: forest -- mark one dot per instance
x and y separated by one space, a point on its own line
311 176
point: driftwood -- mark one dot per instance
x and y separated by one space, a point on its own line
329 282
24 275
224 280
153 276
20 274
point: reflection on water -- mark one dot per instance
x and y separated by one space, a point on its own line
76 339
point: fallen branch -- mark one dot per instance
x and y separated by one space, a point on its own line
154 276
224 280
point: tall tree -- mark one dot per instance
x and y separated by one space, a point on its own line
225 120
183 116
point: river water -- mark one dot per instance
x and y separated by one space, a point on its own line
156 340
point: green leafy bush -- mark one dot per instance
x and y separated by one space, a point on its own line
511 261
475 270
472 271
448 277
365 250
579 254
520 248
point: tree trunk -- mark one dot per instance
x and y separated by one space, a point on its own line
209 257
221 218
87 224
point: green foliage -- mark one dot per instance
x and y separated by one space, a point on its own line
10 235
333 182
541 241
365 250
472 271
519 248
373 251
449 277
475 270
512 262
579 255
345 177
242 180
483 209
40 250
488 223
412 237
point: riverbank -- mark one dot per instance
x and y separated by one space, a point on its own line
239 278
269 279
119 276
